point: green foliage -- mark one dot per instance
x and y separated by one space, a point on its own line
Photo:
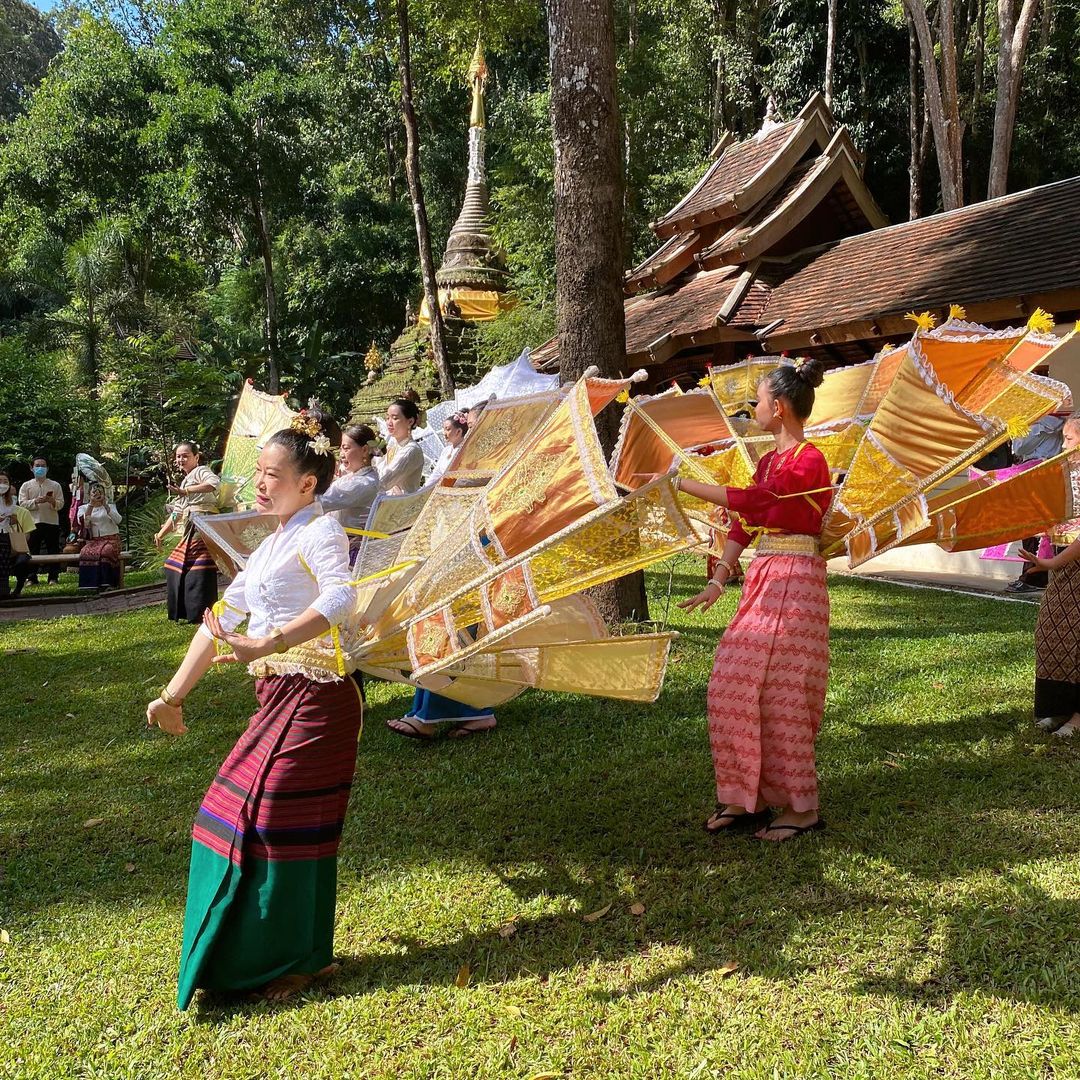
526 325
27 44
42 407
176 148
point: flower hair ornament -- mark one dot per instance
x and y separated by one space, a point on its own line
800 362
305 424
321 445
378 444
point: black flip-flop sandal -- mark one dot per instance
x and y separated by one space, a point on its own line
412 733
739 822
463 731
795 830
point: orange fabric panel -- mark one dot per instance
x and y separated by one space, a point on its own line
956 363
688 419
560 476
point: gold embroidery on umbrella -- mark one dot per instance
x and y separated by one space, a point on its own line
530 481
254 535
432 640
508 598
493 438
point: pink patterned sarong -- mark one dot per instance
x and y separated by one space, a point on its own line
767 690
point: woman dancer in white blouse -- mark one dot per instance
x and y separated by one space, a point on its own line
350 496
454 428
403 467
260 907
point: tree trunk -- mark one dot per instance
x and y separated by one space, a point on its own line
270 323
1014 32
588 219
830 48
915 110
941 98
416 190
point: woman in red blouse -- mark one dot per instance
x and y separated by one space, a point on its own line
767 690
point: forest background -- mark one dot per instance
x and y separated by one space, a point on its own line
166 166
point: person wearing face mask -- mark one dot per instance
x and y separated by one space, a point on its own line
402 470
16 525
350 496
99 559
43 499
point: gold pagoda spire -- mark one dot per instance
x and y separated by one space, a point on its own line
478 73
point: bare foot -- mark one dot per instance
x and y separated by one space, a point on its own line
472 727
724 818
1070 728
788 825
288 985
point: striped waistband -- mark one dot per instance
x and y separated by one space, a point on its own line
785 544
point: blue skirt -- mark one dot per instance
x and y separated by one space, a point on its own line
432 708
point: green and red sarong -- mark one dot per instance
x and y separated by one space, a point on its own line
263 879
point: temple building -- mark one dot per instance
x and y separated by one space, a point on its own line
780 247
472 282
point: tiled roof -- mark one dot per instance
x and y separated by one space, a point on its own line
676 253
731 172
1017 245
687 309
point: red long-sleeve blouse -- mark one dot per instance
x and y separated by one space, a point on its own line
776 500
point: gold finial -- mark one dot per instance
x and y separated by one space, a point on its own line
478 73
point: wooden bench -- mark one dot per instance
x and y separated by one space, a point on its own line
72 559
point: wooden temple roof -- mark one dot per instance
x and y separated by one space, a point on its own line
781 246
1000 259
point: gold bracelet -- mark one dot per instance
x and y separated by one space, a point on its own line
280 644
170 699
727 566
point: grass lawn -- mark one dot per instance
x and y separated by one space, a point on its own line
931 931
68 585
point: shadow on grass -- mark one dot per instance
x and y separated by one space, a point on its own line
585 803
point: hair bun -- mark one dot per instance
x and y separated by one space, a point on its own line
809 371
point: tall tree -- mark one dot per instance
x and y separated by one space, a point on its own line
416 192
588 216
27 44
831 16
1015 19
942 88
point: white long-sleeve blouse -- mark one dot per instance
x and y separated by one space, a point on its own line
100 520
403 468
302 564
350 497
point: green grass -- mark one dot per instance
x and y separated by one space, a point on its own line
931 931
68 585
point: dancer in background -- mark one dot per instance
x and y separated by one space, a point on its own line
190 570
455 428
402 470
351 494
263 877
1057 628
767 691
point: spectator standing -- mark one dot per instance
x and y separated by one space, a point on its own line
15 525
43 499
